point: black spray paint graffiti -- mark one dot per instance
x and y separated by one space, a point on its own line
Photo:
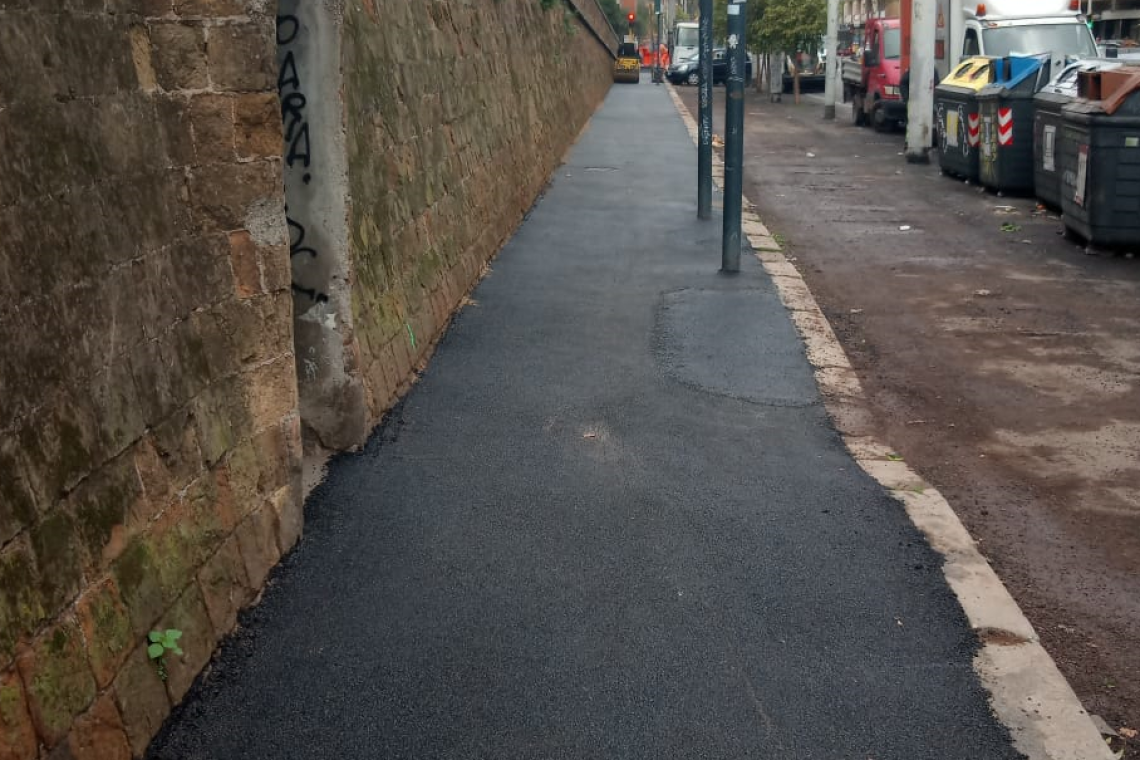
298 153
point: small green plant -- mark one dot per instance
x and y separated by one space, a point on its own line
162 642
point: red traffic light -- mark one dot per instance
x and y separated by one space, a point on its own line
630 17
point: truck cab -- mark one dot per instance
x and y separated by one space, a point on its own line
871 80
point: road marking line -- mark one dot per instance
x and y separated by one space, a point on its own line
1028 694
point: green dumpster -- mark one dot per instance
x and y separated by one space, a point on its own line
1047 106
1005 158
956 116
1099 152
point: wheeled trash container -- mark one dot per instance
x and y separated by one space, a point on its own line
956 116
1099 151
1005 158
1047 105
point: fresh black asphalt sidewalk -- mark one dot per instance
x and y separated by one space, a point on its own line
611 521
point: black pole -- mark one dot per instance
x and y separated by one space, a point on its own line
704 116
657 74
734 137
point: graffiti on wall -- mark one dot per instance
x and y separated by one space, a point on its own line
298 150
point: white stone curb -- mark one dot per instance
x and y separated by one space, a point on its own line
1027 691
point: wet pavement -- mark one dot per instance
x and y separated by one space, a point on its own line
1000 360
611 520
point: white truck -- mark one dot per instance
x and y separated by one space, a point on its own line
1008 27
686 39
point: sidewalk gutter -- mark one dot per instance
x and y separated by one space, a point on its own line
1027 692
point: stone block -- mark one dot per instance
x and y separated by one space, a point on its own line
278 271
190 616
211 8
155 480
272 391
289 510
136 575
99 733
257 539
101 505
246 267
115 400
17 734
56 546
62 448
258 126
243 57
225 586
222 195
58 680
106 627
17 504
178 55
176 443
175 125
22 606
212 119
221 416
142 700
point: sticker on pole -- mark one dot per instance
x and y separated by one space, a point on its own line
733 41
734 10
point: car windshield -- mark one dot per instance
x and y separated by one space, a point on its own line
1065 39
686 36
892 44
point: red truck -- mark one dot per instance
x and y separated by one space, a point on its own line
871 78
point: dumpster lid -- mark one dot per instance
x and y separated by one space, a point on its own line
1012 70
972 73
1111 87
1065 82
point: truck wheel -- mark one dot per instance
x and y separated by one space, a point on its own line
879 119
858 116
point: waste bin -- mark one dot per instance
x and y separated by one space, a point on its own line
1047 105
1099 151
956 114
1005 155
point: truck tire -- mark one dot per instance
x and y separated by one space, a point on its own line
879 119
858 115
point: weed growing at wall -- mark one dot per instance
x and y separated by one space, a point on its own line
162 642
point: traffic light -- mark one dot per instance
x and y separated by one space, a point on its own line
631 18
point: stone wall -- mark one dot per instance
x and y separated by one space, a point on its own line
455 114
149 441
173 272
453 132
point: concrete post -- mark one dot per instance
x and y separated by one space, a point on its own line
831 44
920 109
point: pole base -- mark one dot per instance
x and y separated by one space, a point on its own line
829 113
921 156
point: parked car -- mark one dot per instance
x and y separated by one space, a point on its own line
685 70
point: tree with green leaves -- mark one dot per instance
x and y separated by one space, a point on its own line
791 27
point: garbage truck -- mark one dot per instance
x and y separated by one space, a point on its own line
965 28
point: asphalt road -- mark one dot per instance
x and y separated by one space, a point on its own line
612 520
999 358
